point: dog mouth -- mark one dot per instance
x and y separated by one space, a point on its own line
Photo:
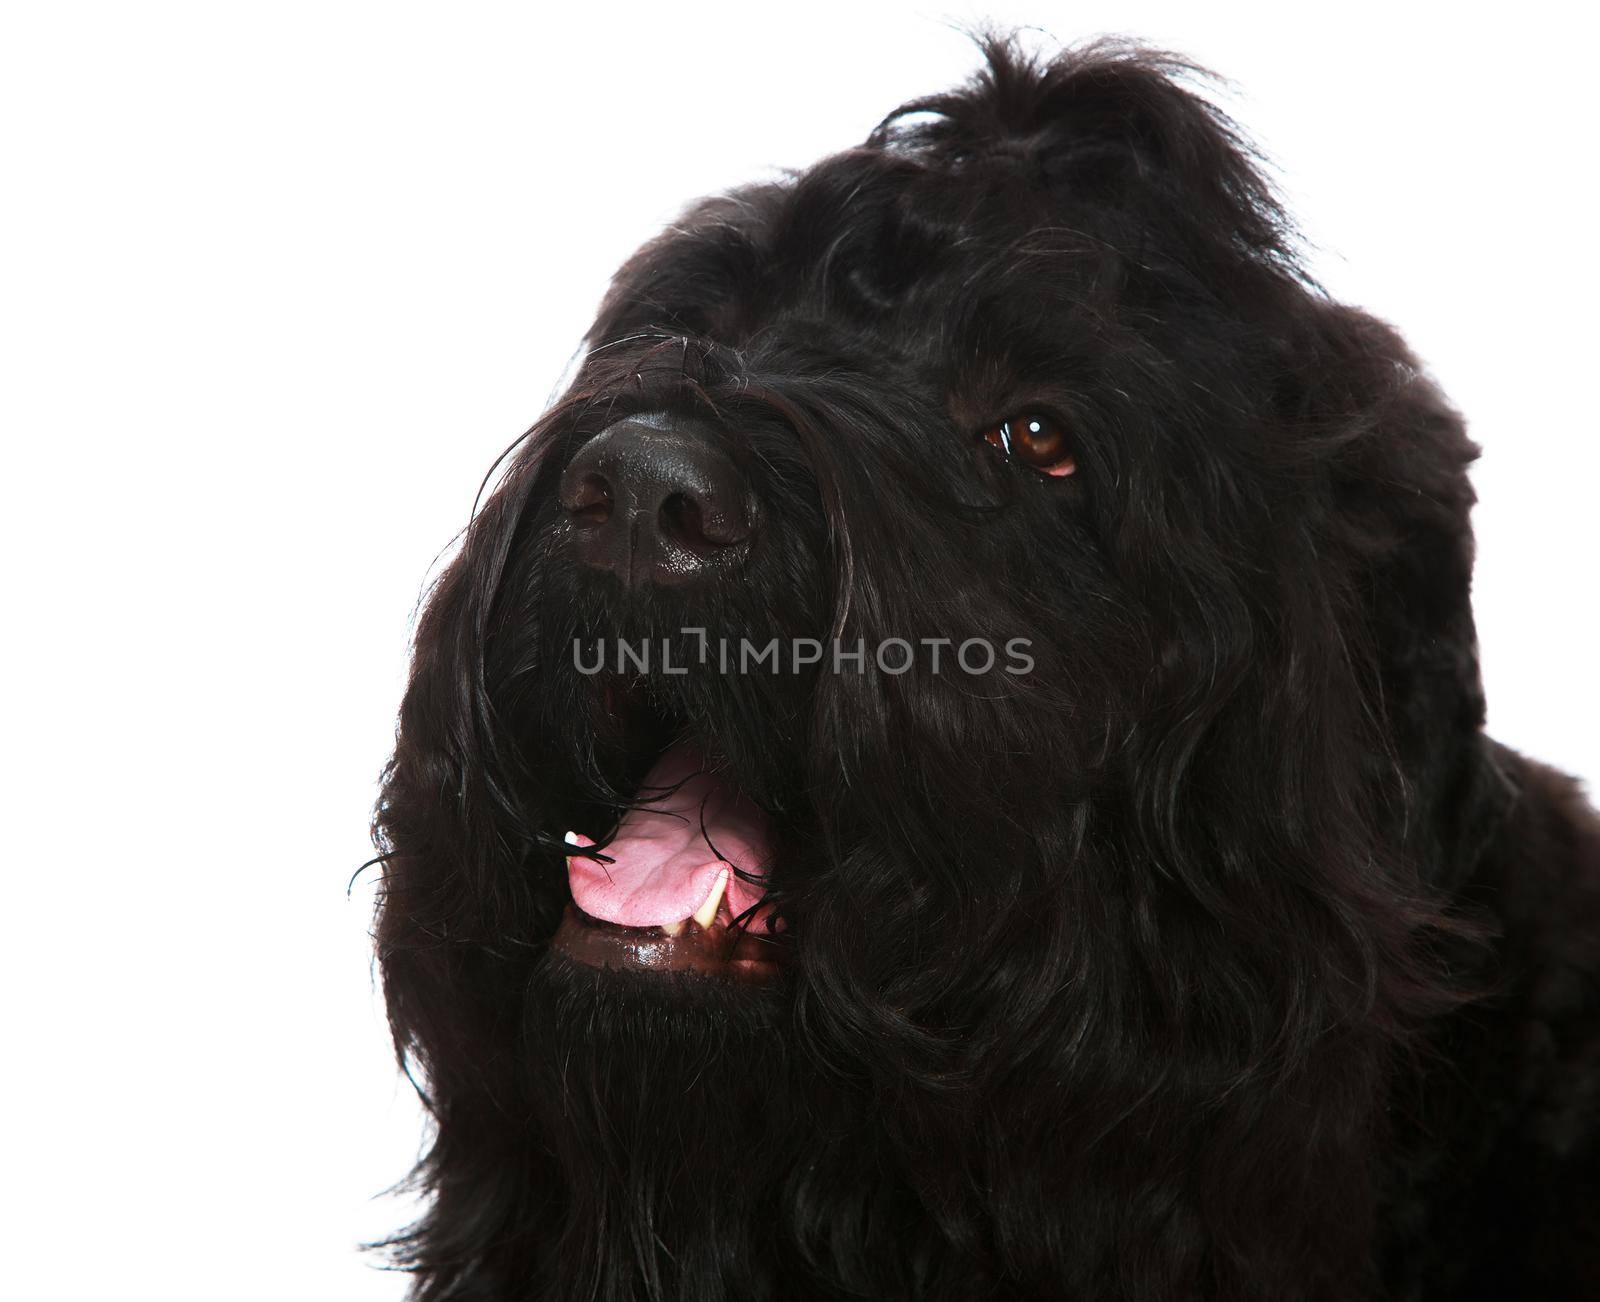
678 884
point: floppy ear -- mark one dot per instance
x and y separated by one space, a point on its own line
460 913
1403 503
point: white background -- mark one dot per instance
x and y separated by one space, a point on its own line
279 280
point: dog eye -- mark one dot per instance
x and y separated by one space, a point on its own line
1036 440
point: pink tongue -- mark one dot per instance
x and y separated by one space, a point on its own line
663 867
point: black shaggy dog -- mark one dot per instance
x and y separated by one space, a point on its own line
1179 935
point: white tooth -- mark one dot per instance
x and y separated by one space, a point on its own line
707 911
571 838
672 928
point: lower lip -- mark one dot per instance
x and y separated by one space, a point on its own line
719 951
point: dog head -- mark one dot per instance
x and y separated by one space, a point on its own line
985 580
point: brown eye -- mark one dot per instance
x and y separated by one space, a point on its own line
1036 440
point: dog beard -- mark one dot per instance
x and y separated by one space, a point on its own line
701 1152
672 1110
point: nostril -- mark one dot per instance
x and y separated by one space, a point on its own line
589 501
681 520
700 522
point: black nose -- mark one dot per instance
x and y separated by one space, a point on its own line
653 499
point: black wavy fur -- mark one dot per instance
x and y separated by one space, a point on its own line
1221 956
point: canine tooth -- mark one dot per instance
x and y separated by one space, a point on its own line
707 911
671 928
